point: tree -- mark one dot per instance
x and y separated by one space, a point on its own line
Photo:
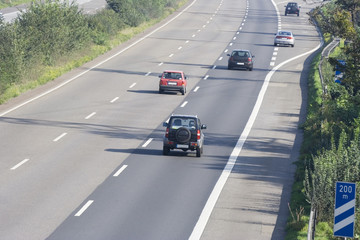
351 6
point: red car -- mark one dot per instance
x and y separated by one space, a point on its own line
173 81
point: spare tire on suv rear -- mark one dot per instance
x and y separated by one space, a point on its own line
183 135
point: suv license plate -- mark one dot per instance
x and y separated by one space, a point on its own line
182 146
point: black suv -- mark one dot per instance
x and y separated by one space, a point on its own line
292 8
184 132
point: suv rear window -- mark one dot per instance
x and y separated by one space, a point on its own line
178 122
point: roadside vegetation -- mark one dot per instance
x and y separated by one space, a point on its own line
331 147
53 37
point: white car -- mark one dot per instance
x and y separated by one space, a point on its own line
284 38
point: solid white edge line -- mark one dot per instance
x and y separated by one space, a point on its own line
97 65
120 171
83 209
19 164
210 204
59 137
147 142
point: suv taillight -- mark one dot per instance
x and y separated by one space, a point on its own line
198 134
167 133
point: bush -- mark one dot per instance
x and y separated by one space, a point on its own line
51 29
103 25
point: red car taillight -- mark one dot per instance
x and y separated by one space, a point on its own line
249 59
198 135
284 37
167 133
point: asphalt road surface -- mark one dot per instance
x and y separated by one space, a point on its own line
87 6
81 157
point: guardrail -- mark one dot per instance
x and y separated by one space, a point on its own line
324 54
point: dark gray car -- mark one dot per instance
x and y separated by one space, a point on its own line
241 59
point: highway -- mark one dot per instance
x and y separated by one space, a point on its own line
82 156
86 6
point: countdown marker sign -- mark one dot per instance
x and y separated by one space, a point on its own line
344 216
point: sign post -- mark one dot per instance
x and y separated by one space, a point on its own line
344 216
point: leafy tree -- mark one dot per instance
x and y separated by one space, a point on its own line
11 55
134 12
351 6
52 29
127 11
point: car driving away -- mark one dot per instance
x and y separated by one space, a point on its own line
284 38
173 81
184 132
292 8
242 59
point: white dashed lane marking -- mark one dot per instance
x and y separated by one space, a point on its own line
120 171
90 115
83 209
59 137
114 100
184 104
147 142
19 164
